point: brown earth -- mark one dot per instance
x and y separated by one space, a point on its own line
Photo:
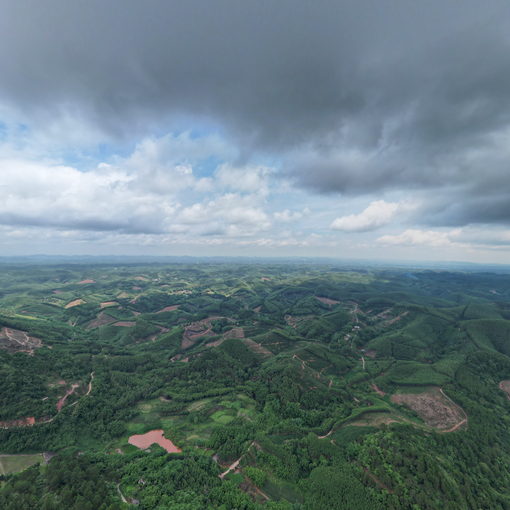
234 333
15 340
143 441
106 304
86 281
505 386
434 408
76 302
327 301
171 308
197 330
141 278
125 324
257 309
377 390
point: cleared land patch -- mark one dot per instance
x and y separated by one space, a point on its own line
171 308
102 320
327 301
434 408
143 441
76 302
15 340
505 386
107 304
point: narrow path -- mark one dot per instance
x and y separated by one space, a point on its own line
124 500
326 435
231 467
236 463
463 421
62 400
90 384
363 361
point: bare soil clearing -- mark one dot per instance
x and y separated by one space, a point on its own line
505 386
76 302
435 408
171 308
125 324
327 301
83 282
143 441
377 390
197 330
107 304
16 340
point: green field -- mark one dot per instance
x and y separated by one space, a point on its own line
251 369
16 463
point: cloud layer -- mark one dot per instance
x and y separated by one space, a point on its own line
275 120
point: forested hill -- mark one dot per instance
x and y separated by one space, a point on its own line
270 386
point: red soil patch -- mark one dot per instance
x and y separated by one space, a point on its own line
125 324
237 333
234 333
434 408
196 330
171 308
377 390
505 386
86 281
76 302
106 304
20 422
143 441
15 340
327 301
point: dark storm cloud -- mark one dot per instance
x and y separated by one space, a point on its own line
354 96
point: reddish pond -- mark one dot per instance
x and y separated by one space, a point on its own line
143 441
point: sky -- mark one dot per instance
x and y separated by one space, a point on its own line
371 129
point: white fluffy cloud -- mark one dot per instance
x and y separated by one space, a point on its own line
152 191
416 237
376 215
